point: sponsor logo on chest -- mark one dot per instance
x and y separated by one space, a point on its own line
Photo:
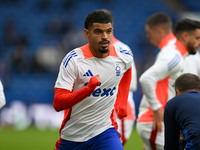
99 92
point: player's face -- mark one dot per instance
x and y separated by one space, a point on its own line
153 35
99 37
193 41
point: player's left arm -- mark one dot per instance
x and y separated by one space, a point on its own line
123 92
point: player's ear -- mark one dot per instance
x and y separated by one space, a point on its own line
184 36
178 92
86 32
161 31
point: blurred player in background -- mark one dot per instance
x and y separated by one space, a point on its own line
125 125
187 32
2 96
157 82
90 80
182 114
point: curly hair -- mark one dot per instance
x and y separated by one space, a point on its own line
97 16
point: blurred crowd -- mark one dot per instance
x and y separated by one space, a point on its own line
20 116
18 55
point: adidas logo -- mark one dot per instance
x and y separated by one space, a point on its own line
88 73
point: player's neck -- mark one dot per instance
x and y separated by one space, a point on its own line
98 54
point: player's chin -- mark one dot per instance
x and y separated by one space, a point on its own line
103 50
193 52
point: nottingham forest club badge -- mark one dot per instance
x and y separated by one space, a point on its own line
118 70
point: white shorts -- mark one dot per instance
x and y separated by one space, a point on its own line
125 128
151 139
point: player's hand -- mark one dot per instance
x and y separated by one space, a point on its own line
98 78
158 119
94 81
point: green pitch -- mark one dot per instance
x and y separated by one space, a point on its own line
134 143
34 139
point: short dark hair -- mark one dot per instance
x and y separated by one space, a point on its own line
187 82
109 13
186 25
97 16
159 18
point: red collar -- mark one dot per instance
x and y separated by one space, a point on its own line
165 40
181 48
88 54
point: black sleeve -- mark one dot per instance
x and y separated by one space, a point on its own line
172 131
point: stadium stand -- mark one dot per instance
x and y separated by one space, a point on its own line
58 24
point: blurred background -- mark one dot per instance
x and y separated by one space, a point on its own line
35 35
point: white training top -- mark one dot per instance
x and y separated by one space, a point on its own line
192 64
158 81
91 116
122 46
133 87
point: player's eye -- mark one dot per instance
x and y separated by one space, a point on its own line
97 31
109 31
198 38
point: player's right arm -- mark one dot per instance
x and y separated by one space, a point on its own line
148 83
164 66
64 99
64 96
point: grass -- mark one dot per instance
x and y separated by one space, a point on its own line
29 139
34 139
135 142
